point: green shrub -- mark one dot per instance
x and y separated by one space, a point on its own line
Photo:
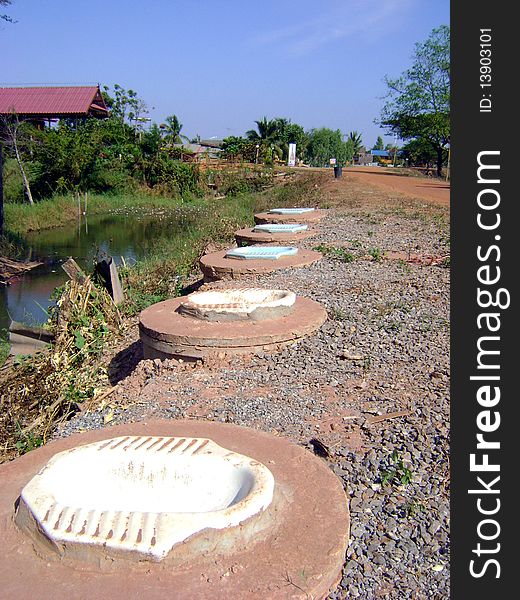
13 184
333 252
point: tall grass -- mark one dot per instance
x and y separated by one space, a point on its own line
4 350
20 217
61 210
12 245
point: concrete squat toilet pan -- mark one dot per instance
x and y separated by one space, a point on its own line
187 509
245 261
274 233
232 320
141 495
291 215
237 304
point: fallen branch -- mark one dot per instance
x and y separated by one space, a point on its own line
105 394
48 410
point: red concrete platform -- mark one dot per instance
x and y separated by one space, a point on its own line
217 266
166 333
248 237
297 552
309 217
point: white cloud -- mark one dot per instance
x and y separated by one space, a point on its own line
368 20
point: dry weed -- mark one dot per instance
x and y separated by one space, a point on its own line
39 391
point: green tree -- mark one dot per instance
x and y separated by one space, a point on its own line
267 130
17 133
419 152
124 105
418 102
379 145
67 157
269 137
277 134
295 134
172 128
234 147
325 144
356 141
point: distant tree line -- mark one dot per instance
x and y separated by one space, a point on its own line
120 154
269 143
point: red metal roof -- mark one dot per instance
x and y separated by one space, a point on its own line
52 101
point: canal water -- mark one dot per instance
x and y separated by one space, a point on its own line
126 236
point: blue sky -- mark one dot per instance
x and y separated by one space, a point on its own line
219 65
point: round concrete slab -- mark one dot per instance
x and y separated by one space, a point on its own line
248 237
217 266
166 333
309 217
297 553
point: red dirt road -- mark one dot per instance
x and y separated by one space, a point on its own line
434 190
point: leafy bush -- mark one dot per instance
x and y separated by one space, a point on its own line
99 156
235 147
325 144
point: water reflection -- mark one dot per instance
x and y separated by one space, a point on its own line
128 236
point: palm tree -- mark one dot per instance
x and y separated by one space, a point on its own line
281 125
267 130
269 135
355 139
173 128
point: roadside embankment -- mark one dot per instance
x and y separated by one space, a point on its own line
39 391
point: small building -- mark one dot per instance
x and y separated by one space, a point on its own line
199 151
380 153
211 143
371 157
362 158
41 105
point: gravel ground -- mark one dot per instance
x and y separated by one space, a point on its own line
372 386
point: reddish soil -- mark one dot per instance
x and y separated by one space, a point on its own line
435 190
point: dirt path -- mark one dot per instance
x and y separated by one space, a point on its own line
434 190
